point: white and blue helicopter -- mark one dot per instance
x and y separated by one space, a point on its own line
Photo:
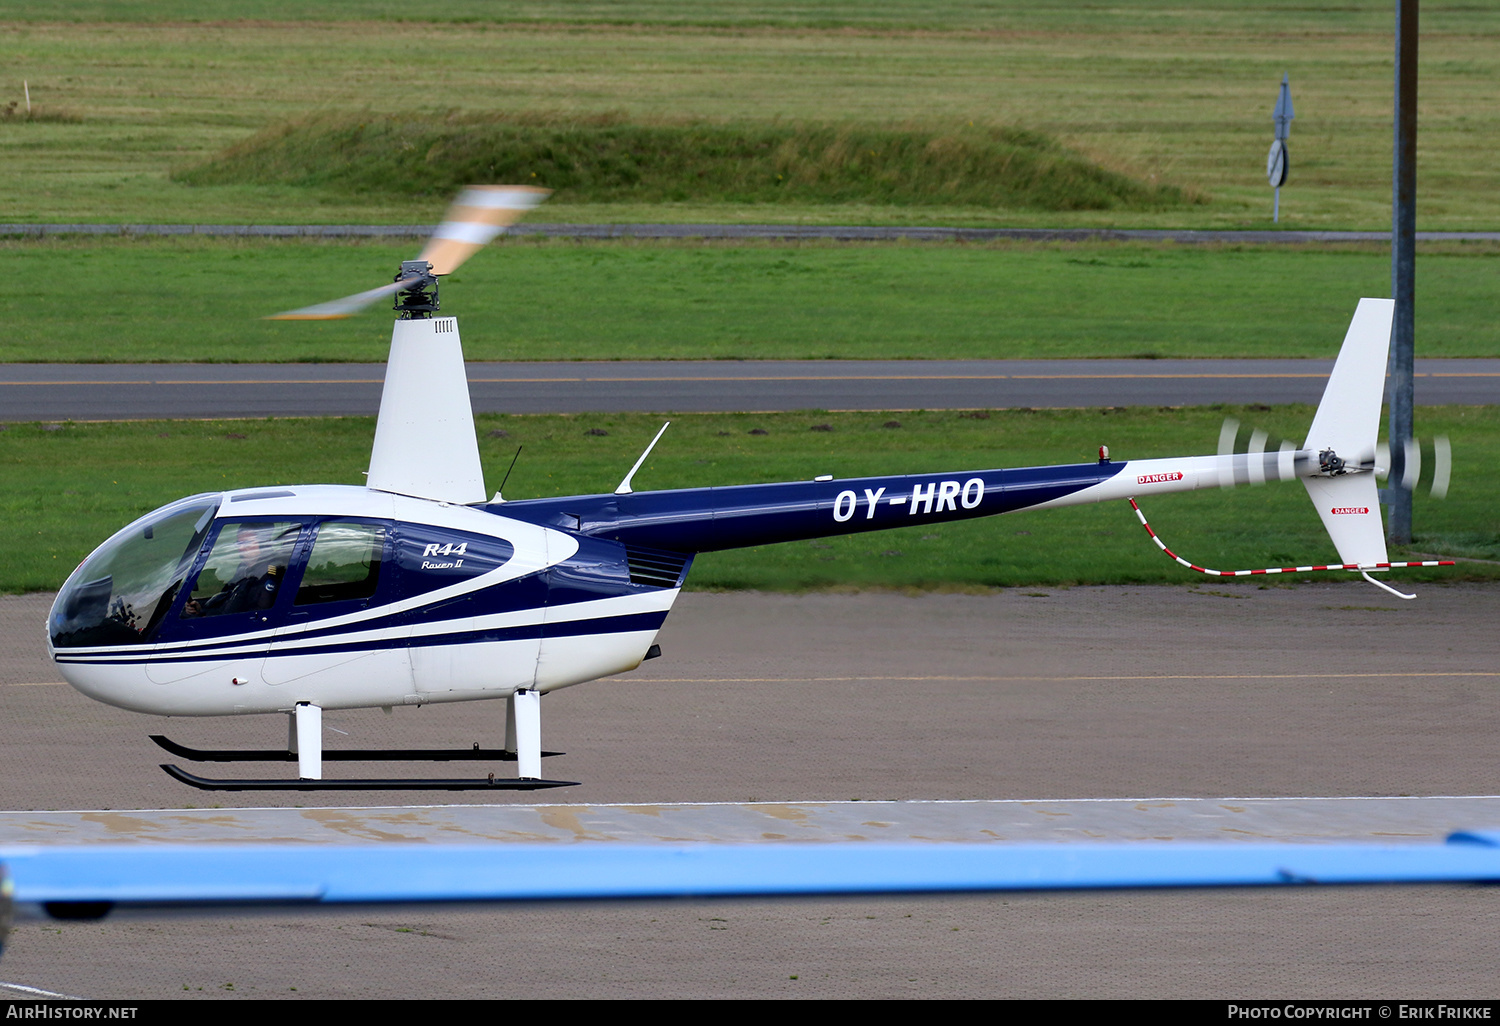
420 587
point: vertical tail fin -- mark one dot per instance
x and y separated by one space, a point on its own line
424 437
1346 426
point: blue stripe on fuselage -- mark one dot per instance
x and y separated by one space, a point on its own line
624 624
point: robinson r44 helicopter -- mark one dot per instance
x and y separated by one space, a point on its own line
420 587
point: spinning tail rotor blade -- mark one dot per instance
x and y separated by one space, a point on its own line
339 308
1442 451
480 213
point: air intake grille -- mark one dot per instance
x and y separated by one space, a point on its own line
656 568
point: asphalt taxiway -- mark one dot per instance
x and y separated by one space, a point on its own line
31 392
1309 712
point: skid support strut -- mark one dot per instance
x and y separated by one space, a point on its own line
523 732
309 724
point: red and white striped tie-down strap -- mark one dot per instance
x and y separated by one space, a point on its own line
1360 568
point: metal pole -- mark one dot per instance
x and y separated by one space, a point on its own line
1403 271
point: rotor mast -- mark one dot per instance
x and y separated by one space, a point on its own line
419 299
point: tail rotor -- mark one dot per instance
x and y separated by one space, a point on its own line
1429 462
1340 459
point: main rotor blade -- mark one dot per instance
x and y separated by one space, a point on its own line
346 307
480 213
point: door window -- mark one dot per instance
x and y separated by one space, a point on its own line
344 565
245 569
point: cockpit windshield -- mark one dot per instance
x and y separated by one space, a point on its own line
121 592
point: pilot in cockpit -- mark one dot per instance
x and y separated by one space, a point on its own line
255 560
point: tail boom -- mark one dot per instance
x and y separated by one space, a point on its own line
1139 478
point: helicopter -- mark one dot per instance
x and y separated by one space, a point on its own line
420 587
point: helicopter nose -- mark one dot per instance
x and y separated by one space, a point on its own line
123 685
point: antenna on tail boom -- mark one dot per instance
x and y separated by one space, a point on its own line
624 488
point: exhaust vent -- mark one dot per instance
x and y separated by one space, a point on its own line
656 568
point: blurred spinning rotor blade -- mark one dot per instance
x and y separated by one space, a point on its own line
346 307
480 213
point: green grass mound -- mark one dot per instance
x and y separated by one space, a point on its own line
604 160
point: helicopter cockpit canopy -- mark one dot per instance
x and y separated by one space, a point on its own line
120 594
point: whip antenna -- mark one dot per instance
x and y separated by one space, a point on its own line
500 492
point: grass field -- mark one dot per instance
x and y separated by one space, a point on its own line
1175 94
202 299
880 15
607 159
132 99
70 487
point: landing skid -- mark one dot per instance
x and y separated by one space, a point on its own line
523 746
474 754
436 784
